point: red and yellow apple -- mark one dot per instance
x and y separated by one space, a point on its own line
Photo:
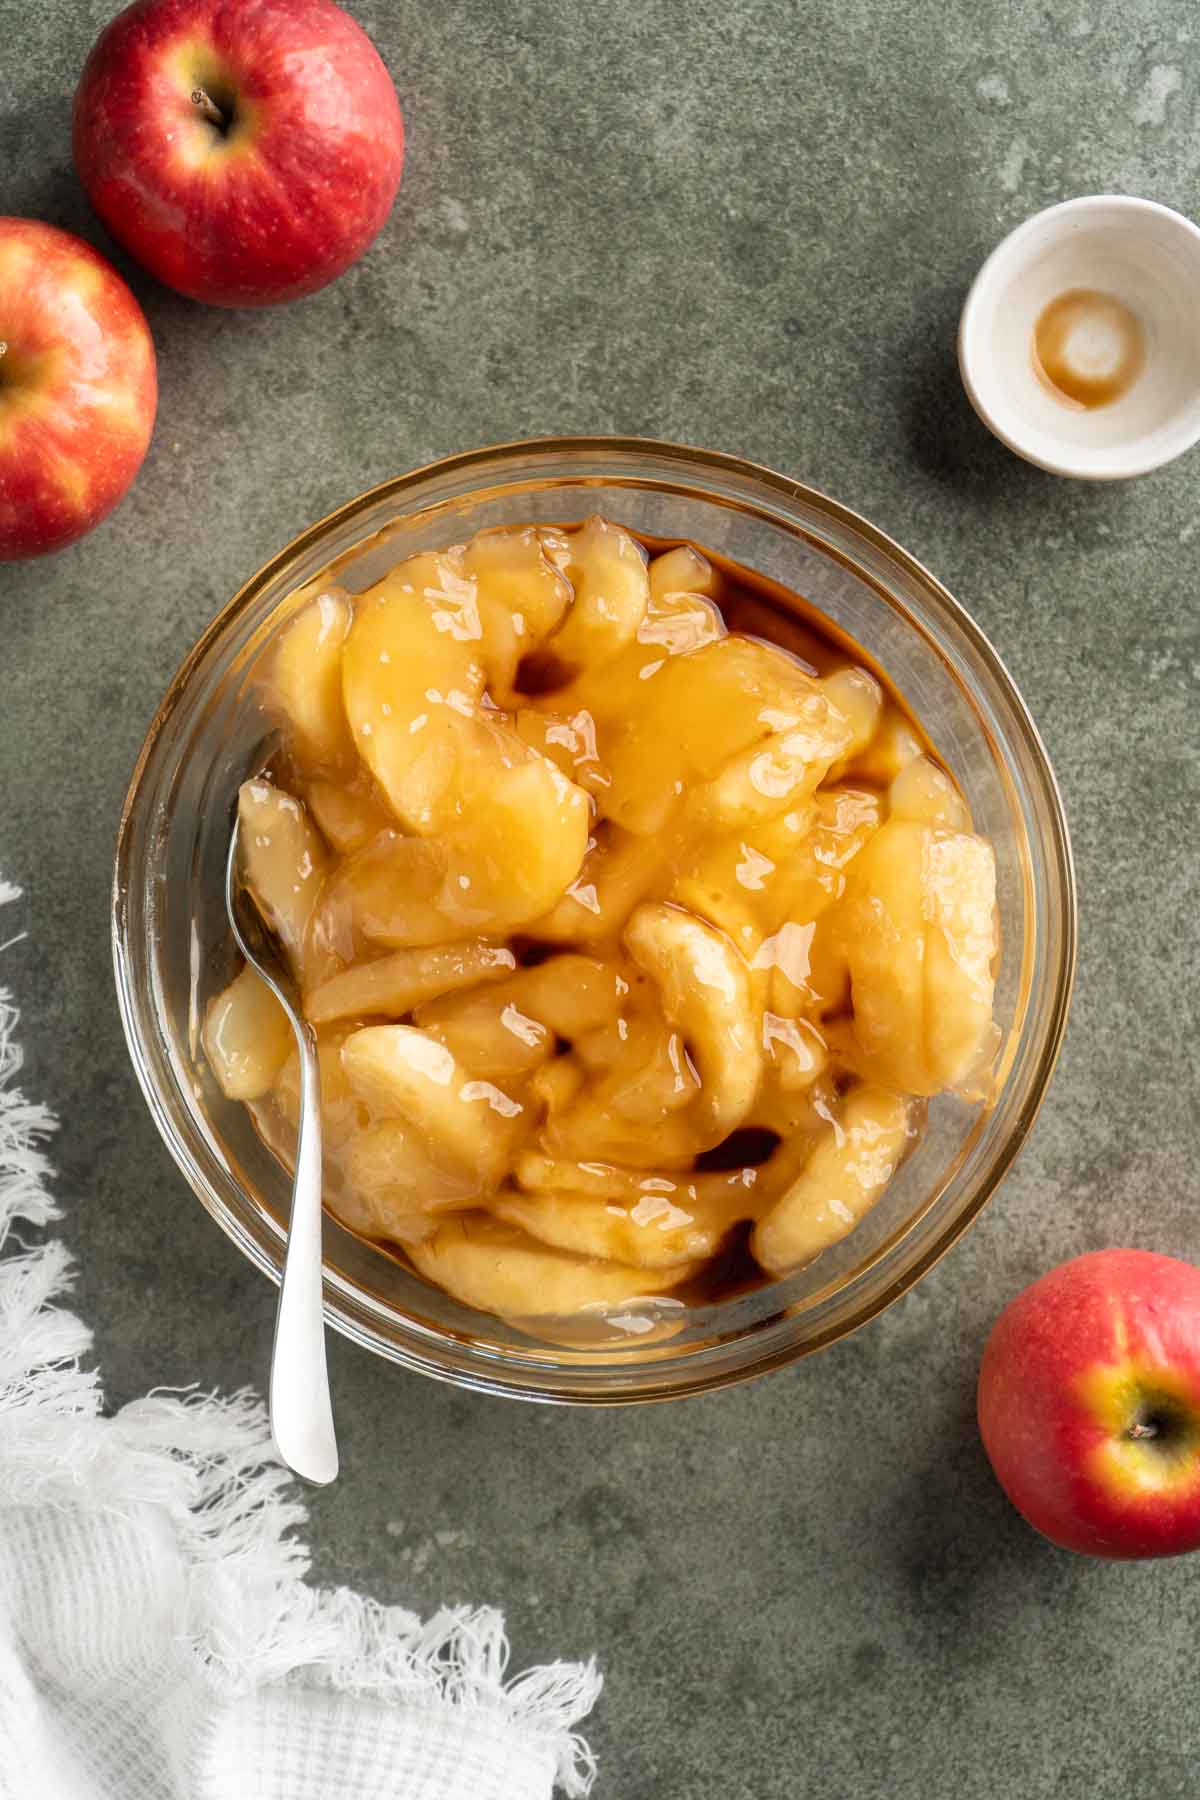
1089 1404
78 388
244 151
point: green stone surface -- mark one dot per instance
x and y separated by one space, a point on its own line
749 225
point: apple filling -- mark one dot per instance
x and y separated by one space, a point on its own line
634 944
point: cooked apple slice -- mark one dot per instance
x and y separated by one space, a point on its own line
513 828
607 570
388 893
555 1087
683 571
705 989
283 865
587 1129
305 682
497 1268
859 698
779 773
349 813
652 1231
675 625
404 1073
522 598
961 946
617 871
537 1173
412 672
403 1186
508 1029
569 742
851 1163
394 985
647 1072
892 748
812 875
556 545
795 1050
342 1114
644 1084
488 1033
723 885
765 889
790 1112
917 931
247 1037
702 709
518 841
572 994
925 794
603 698
521 839
672 626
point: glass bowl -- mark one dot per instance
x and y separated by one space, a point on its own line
171 941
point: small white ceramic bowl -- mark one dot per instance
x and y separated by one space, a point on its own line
1134 251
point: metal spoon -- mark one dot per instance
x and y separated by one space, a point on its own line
301 1413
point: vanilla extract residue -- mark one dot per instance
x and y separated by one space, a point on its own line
1088 348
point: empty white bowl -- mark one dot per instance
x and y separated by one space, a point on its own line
1135 252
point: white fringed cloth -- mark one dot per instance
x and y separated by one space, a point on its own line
157 1638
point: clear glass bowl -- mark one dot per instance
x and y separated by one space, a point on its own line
171 941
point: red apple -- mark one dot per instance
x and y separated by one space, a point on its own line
244 151
78 388
1089 1404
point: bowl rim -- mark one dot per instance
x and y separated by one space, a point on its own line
771 1357
1062 217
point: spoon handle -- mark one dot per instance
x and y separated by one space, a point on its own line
301 1413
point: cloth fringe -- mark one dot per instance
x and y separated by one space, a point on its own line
209 1463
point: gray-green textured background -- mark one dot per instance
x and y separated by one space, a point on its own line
747 224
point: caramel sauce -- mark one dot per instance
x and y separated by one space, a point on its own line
1088 348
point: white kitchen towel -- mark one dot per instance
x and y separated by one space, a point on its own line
157 1639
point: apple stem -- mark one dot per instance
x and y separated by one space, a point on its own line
1139 1430
208 106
